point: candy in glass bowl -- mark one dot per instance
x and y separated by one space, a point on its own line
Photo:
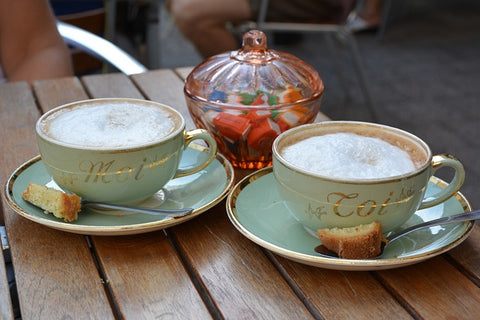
246 98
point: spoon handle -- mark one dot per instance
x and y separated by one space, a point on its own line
174 213
466 216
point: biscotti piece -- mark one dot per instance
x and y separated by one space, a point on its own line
359 242
62 205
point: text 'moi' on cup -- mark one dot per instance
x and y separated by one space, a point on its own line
117 150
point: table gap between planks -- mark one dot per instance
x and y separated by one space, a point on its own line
200 269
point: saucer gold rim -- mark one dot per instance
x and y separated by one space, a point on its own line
114 230
338 263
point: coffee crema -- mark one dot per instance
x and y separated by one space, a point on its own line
112 125
346 155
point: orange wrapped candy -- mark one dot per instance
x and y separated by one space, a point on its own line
261 136
232 126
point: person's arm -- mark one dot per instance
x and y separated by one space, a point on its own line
30 46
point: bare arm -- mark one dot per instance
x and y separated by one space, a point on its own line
30 46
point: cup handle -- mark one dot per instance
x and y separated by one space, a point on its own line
439 161
190 136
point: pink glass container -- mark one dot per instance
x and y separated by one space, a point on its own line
246 98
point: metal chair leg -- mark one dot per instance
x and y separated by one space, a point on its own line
361 74
387 6
332 49
153 35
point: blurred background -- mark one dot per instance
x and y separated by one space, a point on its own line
422 68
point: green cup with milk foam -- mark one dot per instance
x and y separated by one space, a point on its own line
118 151
347 173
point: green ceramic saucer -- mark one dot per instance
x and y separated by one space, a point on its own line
257 211
200 191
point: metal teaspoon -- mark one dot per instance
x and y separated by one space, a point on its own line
174 213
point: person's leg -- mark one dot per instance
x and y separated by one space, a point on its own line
372 11
203 22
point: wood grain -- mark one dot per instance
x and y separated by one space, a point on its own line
203 268
166 87
351 295
44 258
17 128
238 276
158 286
147 278
112 85
435 289
467 255
234 271
183 72
54 93
343 294
14 95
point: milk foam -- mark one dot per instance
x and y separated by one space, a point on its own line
113 125
348 156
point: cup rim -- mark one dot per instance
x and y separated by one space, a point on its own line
49 139
284 162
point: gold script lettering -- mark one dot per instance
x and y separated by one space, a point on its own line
139 176
125 172
101 171
363 205
339 201
384 205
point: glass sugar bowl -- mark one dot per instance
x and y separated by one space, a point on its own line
246 98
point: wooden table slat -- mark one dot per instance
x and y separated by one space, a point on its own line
240 288
100 86
17 126
43 257
468 255
139 294
202 268
236 302
235 271
183 72
361 286
435 289
166 87
136 287
52 93
343 294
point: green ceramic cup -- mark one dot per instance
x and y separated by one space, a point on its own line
319 201
123 165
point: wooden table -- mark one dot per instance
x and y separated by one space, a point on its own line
200 269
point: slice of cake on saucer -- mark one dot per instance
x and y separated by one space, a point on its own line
60 204
359 242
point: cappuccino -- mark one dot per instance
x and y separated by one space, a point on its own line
346 155
346 173
113 125
117 150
